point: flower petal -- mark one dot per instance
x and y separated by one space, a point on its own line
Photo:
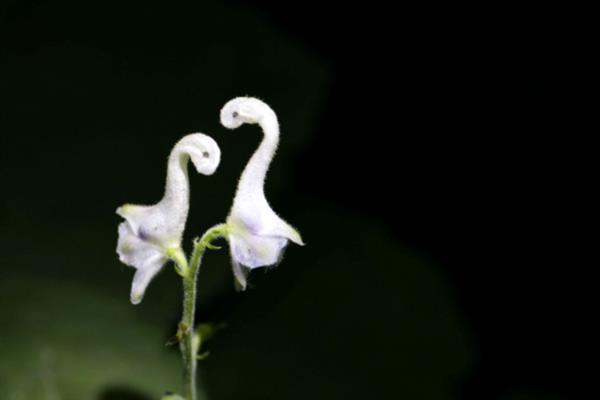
239 273
254 251
144 275
279 228
134 215
143 256
203 151
257 217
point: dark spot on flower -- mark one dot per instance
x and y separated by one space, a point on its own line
205 154
235 114
142 234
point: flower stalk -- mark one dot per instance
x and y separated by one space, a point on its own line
185 333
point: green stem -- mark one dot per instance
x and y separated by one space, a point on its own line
185 332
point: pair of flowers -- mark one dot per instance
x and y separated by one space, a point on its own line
151 235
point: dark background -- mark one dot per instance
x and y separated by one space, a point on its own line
410 161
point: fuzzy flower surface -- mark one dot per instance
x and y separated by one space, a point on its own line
257 236
151 235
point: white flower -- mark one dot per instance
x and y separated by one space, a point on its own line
150 235
257 235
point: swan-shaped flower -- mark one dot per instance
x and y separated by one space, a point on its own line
151 235
257 236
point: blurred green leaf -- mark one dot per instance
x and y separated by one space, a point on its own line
66 341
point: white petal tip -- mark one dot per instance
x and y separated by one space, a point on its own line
242 110
296 238
239 276
136 298
203 151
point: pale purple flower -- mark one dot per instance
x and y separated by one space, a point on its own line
150 235
257 235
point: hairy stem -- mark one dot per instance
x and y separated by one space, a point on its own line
185 331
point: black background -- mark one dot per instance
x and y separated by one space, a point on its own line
411 128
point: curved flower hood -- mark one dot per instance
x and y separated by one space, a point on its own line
150 233
257 235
